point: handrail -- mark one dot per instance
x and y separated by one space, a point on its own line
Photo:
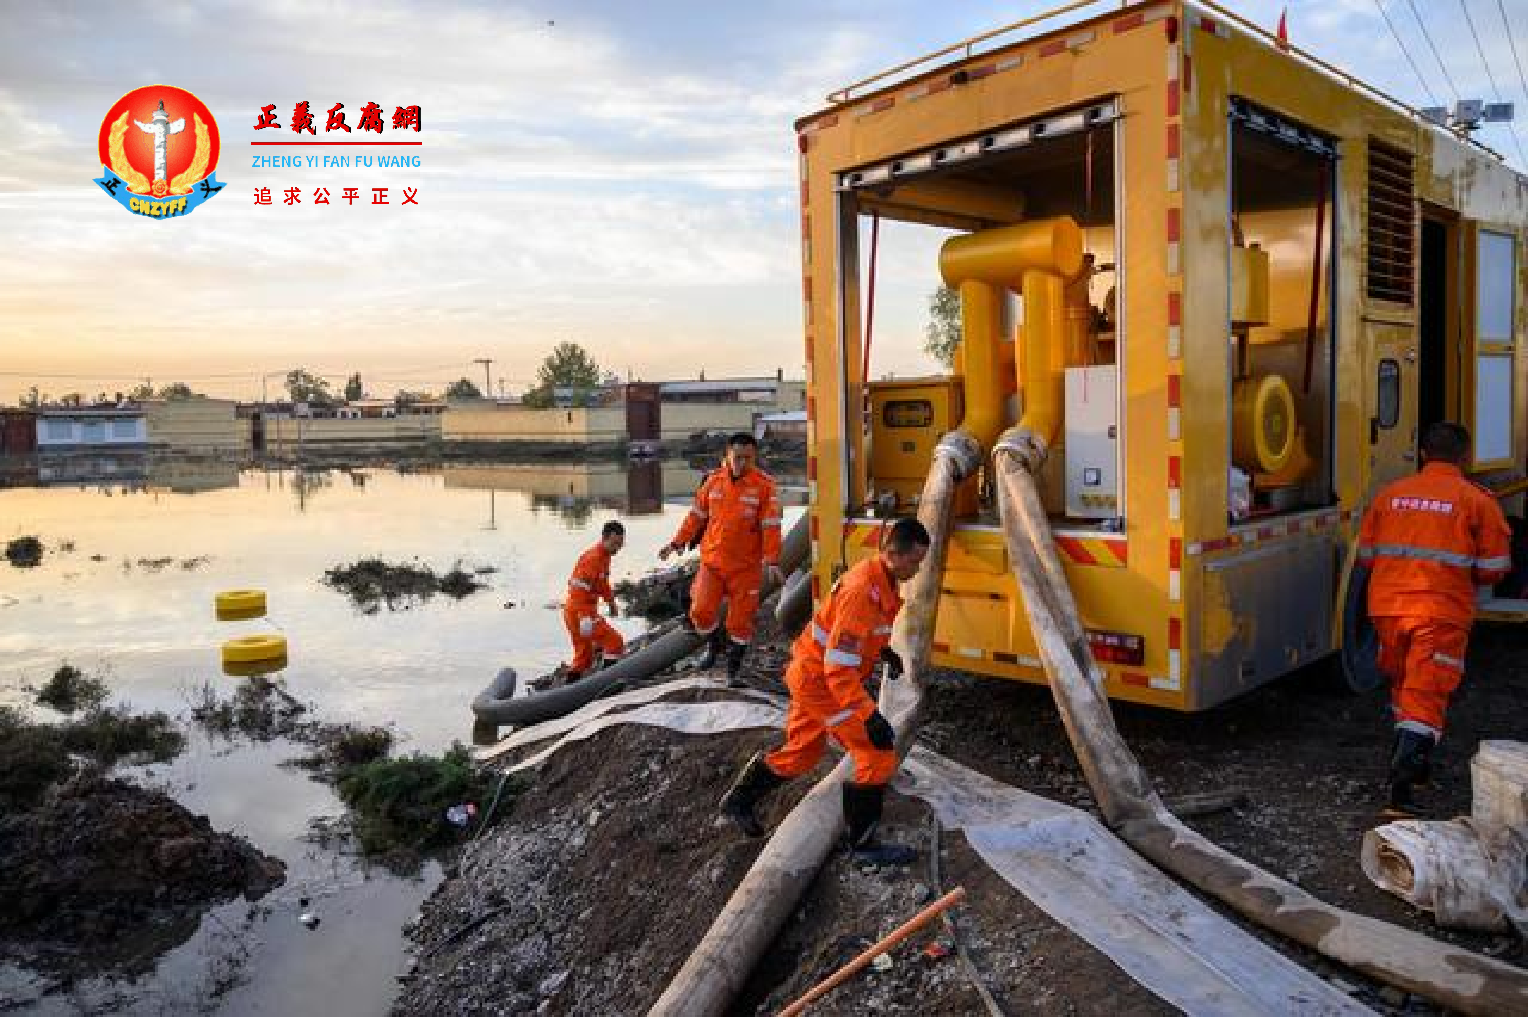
843 95
964 47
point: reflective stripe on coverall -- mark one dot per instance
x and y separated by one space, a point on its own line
589 584
830 662
1428 540
741 520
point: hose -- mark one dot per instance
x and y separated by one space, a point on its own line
1455 978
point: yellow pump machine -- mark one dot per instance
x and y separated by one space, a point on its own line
1218 282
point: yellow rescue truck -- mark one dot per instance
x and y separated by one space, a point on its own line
1242 279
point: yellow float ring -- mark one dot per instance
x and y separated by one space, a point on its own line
240 604
1263 424
245 649
253 668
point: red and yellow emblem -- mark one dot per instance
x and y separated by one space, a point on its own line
160 141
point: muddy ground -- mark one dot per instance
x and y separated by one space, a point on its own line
588 899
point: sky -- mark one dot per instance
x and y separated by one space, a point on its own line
615 174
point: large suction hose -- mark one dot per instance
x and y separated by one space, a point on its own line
498 704
1452 977
715 972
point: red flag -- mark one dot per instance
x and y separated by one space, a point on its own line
1283 29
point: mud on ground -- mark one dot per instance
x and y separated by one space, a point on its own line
610 869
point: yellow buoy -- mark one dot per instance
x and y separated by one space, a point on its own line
249 648
253 668
1262 424
233 605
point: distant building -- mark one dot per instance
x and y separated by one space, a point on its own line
118 426
18 432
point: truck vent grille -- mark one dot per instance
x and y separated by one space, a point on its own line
1391 223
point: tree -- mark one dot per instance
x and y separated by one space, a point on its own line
942 333
463 389
354 389
567 366
177 390
33 398
305 387
141 391
403 397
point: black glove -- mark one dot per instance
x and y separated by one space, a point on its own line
893 661
878 729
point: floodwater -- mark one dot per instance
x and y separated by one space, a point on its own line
105 600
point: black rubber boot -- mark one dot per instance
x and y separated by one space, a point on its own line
751 787
735 653
1410 765
714 645
862 811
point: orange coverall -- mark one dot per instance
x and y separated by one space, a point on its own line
830 661
1429 540
741 519
589 584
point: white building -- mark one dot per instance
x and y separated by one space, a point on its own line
91 427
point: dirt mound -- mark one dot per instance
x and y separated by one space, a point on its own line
100 861
372 583
589 898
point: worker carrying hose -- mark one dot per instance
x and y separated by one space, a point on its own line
736 519
830 662
1428 540
589 584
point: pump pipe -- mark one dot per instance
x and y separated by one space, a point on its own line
1456 978
1035 259
720 964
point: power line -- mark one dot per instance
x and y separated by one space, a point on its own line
1406 53
1495 88
1522 78
1452 88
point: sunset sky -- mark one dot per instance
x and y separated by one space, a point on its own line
622 177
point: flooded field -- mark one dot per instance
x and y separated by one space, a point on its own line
133 558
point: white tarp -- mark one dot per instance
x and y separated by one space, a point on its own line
1061 858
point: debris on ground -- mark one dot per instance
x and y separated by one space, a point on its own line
401 804
70 689
528 921
103 874
657 596
372 583
24 552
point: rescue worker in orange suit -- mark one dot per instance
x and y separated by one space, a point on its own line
736 519
1428 540
590 584
830 662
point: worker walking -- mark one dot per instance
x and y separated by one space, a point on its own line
589 584
830 662
1428 540
736 519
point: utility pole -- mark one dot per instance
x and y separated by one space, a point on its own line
487 381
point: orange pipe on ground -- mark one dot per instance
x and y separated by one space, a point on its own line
852 968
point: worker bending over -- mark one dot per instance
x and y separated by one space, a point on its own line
1428 540
736 519
830 662
589 585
